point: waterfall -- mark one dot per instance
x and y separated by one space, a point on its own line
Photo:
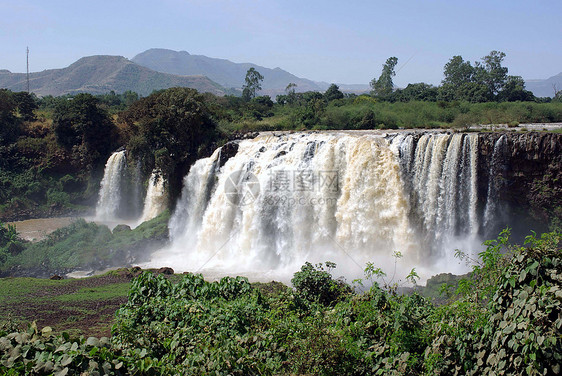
346 197
109 200
440 178
155 201
494 181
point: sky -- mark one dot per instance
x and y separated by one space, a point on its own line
332 41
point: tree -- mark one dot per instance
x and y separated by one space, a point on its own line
384 85
168 130
514 90
291 95
457 71
9 124
333 93
82 126
26 104
491 73
253 84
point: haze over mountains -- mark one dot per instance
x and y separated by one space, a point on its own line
100 74
545 88
158 68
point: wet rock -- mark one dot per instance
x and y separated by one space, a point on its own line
165 270
228 151
56 277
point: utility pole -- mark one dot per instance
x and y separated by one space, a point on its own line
27 70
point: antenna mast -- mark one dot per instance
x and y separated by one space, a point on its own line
28 70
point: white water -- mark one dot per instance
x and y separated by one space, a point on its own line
348 198
494 181
155 201
112 208
109 199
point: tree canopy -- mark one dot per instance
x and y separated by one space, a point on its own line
167 129
253 84
384 85
84 128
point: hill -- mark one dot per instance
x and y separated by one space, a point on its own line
544 88
100 74
225 72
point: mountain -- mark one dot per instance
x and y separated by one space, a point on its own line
544 88
225 72
101 74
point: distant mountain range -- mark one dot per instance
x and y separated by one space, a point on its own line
101 74
545 88
158 68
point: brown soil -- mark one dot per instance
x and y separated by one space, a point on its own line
91 318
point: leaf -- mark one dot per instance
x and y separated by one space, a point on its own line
46 331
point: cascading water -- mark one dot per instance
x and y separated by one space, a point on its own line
344 197
109 200
440 175
155 201
120 190
494 181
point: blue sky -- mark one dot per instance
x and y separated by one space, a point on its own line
333 41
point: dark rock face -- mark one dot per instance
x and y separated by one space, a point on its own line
526 169
228 151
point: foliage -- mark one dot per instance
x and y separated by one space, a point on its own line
82 126
167 130
87 245
9 124
10 242
315 284
384 85
484 81
253 84
333 93
41 353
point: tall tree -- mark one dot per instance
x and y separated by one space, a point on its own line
384 85
253 84
491 73
457 71
333 93
82 126
9 125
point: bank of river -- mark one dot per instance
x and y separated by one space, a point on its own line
38 229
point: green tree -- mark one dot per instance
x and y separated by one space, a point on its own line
491 73
9 124
291 95
333 93
168 130
457 71
253 84
26 104
384 85
84 128
514 90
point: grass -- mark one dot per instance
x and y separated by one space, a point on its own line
83 306
105 292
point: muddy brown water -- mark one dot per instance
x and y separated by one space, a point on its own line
38 229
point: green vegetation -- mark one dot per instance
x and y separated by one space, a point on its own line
504 318
10 242
252 84
86 245
384 85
